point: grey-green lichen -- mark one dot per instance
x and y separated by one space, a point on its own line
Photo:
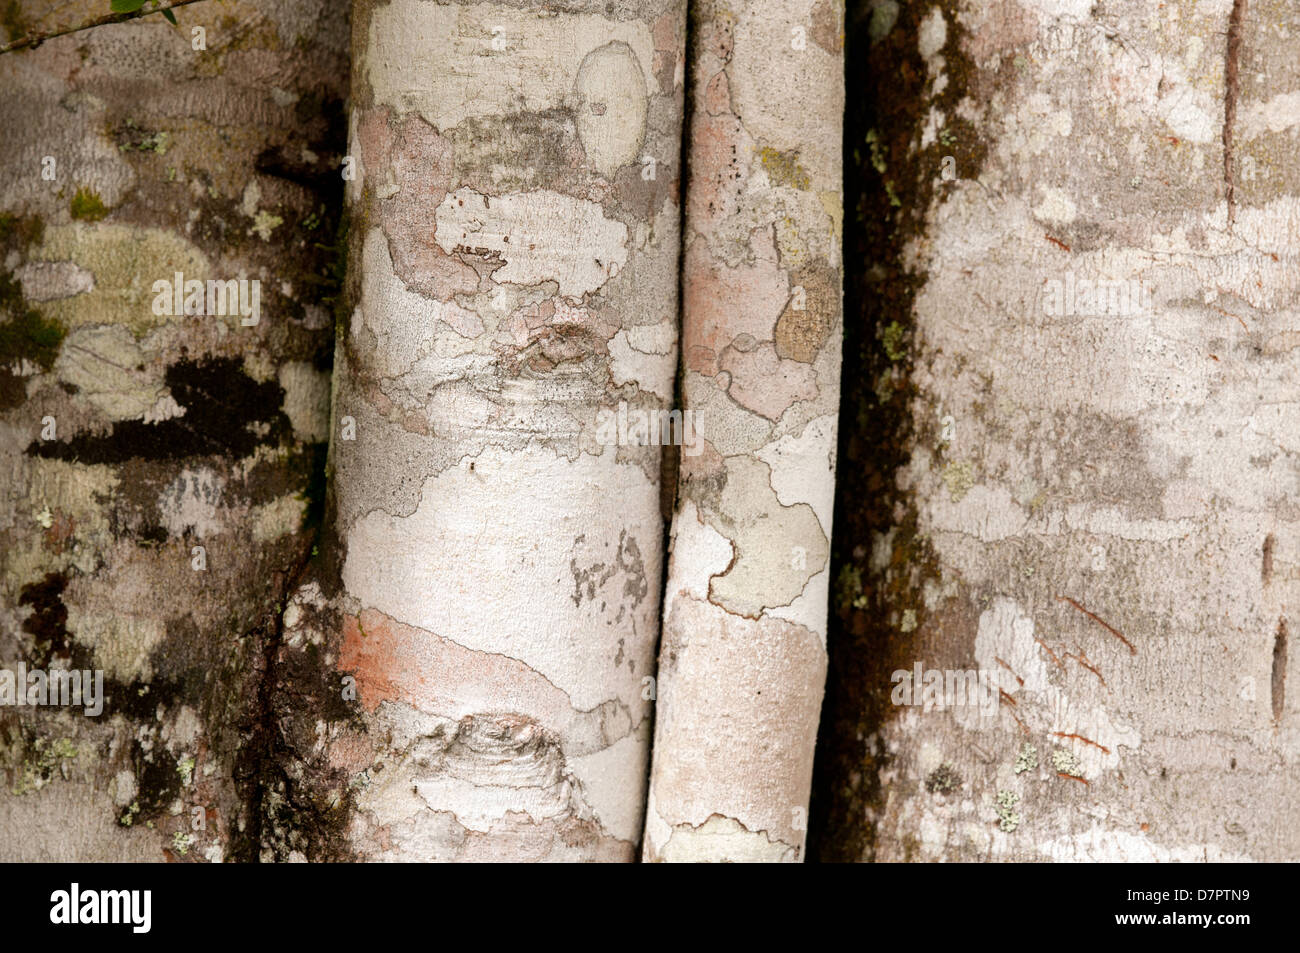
877 151
1008 819
959 477
850 586
783 168
264 223
39 767
1027 759
943 779
1065 762
131 137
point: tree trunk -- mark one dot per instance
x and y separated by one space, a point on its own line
514 251
1093 507
743 657
157 475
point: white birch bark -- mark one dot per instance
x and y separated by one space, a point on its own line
1104 491
514 266
130 438
743 659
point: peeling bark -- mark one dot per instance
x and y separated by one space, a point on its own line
743 657
513 272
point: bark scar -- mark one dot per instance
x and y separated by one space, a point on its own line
1086 663
1101 622
1087 741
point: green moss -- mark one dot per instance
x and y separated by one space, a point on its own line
20 231
15 23
86 206
27 334
895 340
181 842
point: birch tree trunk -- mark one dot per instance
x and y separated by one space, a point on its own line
1095 510
514 272
743 656
156 466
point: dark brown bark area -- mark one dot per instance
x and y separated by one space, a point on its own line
164 154
888 185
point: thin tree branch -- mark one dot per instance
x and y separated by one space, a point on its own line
33 40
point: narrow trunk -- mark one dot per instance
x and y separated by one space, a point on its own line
743 657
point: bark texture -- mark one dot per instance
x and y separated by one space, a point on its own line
129 437
1094 502
743 657
514 270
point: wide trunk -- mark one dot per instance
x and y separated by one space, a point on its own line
158 446
1066 618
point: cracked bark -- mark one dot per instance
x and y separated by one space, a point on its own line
743 660
170 432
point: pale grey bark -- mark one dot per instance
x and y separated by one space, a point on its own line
1103 495
743 658
513 277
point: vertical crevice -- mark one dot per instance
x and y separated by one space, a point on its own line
1231 90
671 455
1278 681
